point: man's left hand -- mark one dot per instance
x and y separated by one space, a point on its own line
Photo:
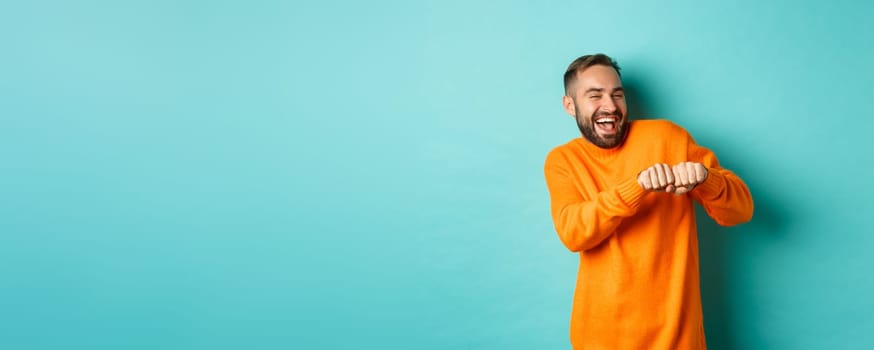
687 175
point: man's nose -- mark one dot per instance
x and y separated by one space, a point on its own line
608 106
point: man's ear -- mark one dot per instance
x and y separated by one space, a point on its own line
569 106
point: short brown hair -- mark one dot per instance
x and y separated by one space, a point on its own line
580 64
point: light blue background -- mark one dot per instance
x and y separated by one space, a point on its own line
333 174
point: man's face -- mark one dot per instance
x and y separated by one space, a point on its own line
597 101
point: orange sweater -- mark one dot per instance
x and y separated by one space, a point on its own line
637 283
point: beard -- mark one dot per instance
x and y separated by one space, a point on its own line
587 128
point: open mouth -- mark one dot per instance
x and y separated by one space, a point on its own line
607 125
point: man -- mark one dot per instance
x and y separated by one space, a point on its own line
622 197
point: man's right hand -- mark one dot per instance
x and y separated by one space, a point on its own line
657 178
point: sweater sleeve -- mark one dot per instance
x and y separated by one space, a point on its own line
583 223
724 196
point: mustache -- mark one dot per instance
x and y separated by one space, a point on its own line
608 114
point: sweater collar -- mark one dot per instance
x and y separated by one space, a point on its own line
596 151
599 152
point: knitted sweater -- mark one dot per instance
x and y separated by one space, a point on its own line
637 284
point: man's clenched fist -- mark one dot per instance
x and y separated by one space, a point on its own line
679 179
659 177
687 175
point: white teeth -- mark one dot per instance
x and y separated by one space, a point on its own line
606 120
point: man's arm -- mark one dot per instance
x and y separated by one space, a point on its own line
724 196
583 223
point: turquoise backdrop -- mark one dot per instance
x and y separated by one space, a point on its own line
368 175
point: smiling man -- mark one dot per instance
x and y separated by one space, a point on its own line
622 198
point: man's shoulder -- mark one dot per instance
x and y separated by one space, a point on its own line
658 125
563 149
